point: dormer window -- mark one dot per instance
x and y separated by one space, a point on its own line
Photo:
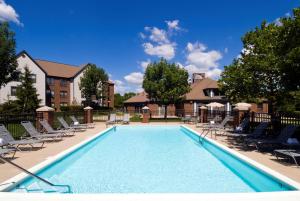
211 93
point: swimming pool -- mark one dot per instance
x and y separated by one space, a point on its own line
153 159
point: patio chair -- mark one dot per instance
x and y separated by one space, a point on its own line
76 123
243 125
66 126
112 119
287 153
49 130
8 140
31 130
281 139
186 119
125 119
213 121
4 151
220 128
258 132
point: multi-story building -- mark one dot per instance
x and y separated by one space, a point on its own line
57 84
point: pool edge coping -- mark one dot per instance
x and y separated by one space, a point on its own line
251 162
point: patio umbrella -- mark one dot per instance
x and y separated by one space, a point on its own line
215 105
243 105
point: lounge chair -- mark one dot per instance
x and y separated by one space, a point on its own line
213 121
66 126
243 125
49 130
76 123
187 119
4 151
112 119
281 139
220 128
9 141
258 132
31 130
288 153
125 119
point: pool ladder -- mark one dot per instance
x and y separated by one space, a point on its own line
67 187
203 135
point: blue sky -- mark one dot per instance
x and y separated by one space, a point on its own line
122 36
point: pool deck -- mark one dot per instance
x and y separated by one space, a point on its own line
29 159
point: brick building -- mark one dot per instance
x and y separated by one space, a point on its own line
57 84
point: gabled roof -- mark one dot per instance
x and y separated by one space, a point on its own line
197 91
58 69
139 98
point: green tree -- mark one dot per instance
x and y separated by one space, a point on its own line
8 62
165 83
93 83
128 95
269 66
27 97
119 99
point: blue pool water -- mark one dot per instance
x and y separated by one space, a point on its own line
152 159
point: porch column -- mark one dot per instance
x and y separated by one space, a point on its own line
146 114
240 113
203 114
88 115
44 113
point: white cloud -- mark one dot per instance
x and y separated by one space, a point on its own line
164 50
120 87
142 35
226 50
200 60
173 25
157 35
214 73
198 56
144 64
277 22
135 78
159 43
8 13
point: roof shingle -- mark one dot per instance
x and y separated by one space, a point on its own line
58 69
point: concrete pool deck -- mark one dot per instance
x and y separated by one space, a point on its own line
29 159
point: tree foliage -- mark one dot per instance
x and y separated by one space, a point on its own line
165 83
269 65
93 83
8 62
119 99
27 97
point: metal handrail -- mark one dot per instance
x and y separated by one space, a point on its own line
34 175
203 135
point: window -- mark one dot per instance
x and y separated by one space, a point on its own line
50 93
63 94
260 106
63 104
63 82
50 80
33 78
13 91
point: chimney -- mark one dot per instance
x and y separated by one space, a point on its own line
198 77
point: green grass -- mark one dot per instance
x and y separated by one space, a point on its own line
166 120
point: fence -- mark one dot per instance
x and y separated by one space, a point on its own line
79 115
12 123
